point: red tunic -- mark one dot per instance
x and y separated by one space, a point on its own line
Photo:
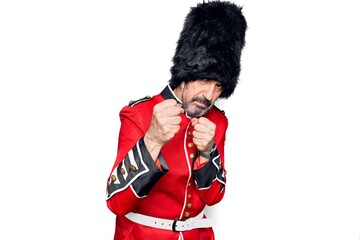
175 190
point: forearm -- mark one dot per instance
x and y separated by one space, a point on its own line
210 178
152 146
133 177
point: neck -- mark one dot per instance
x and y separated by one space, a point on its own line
179 91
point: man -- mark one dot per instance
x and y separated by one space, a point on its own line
170 161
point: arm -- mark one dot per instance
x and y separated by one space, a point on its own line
134 172
139 164
208 169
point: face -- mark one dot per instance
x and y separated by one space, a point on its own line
198 96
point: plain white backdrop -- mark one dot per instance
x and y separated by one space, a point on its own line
293 143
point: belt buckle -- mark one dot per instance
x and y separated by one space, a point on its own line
188 223
174 225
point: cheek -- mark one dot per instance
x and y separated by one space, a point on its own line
185 99
188 96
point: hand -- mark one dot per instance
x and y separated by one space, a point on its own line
165 122
203 134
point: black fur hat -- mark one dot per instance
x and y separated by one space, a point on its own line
210 45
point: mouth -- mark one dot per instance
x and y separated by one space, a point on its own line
200 105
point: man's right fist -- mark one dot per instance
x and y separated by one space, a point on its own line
165 121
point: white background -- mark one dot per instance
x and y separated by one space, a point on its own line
293 143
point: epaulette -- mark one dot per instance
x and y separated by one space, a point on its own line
134 102
220 109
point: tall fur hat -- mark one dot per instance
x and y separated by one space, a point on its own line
210 45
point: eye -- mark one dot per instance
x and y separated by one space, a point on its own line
219 86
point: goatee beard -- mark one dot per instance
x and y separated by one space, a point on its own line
199 111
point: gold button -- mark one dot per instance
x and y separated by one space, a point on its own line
189 205
191 155
187 214
122 171
189 184
190 144
133 168
189 132
189 196
113 178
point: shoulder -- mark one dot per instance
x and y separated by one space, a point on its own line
137 109
132 103
219 110
141 105
218 115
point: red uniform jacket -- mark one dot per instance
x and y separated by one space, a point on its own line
174 191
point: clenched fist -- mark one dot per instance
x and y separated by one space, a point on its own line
165 123
203 134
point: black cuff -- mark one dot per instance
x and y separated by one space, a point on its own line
210 171
137 169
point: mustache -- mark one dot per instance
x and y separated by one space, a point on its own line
204 101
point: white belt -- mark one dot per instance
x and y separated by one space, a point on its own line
174 225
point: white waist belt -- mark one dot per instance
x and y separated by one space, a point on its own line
174 225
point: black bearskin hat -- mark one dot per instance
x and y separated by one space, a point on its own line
210 45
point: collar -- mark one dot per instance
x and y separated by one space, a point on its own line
168 93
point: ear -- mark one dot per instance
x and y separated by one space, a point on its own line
182 86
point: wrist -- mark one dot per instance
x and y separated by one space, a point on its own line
205 155
152 146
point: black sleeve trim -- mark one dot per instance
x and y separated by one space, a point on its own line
210 172
138 169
